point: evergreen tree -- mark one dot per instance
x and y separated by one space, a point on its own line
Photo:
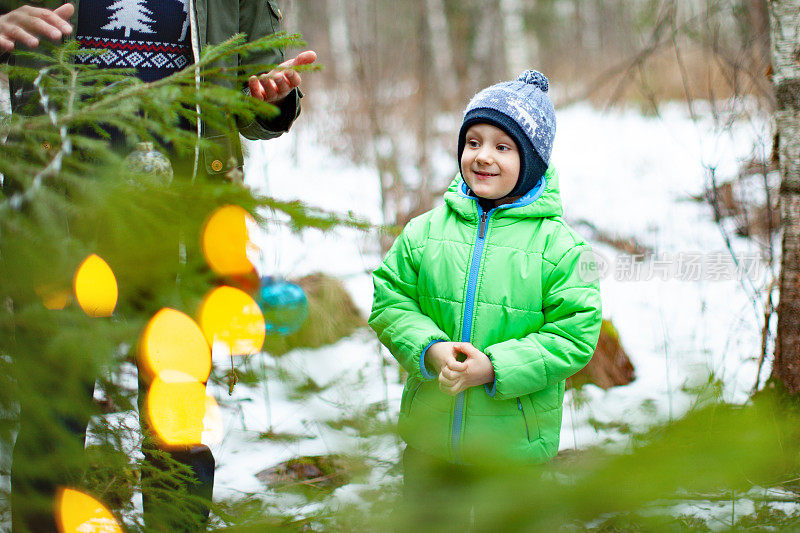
68 195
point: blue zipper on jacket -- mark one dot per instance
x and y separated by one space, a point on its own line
472 285
466 329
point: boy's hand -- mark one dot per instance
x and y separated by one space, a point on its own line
439 353
457 376
25 23
273 86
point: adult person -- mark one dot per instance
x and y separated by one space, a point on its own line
187 27
157 38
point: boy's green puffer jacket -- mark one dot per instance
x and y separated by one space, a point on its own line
517 283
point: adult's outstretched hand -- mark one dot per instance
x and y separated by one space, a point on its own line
273 86
27 23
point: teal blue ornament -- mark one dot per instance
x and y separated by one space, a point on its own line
283 303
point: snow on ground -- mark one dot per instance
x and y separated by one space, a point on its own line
676 323
622 172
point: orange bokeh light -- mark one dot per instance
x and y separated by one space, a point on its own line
95 287
230 316
77 512
226 241
173 341
180 412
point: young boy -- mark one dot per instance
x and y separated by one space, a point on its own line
481 300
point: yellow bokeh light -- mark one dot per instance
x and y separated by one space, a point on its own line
95 287
180 412
230 316
77 512
225 241
53 297
173 341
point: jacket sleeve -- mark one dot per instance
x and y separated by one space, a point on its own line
565 342
257 19
396 315
262 128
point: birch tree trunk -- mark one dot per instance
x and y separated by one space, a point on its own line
489 65
758 17
785 22
517 45
428 98
440 48
578 23
339 38
364 44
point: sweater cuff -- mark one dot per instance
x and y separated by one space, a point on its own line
423 368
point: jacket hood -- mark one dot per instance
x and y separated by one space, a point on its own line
543 201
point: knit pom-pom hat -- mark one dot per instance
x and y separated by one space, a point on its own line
523 110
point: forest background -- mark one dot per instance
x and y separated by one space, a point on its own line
417 61
386 107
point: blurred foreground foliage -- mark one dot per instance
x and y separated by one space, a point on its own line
721 467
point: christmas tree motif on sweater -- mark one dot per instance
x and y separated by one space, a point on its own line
130 15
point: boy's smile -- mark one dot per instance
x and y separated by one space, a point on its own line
490 162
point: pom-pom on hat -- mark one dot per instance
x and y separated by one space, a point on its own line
523 110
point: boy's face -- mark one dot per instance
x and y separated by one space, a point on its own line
490 162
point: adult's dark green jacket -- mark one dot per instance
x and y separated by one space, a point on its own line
517 283
212 22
